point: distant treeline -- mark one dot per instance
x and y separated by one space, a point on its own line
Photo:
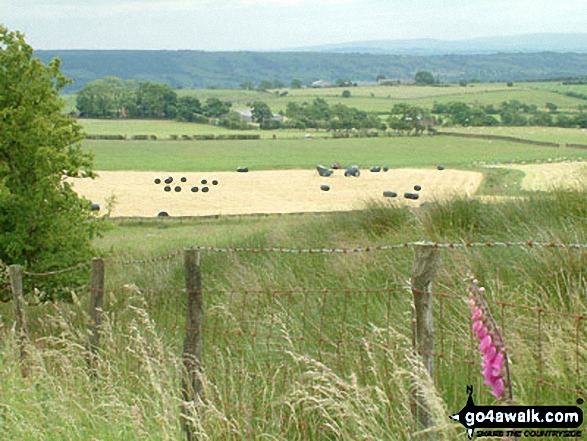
197 69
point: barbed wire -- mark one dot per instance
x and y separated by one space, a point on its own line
170 256
366 249
57 272
344 250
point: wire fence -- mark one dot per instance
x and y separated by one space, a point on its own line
318 250
261 334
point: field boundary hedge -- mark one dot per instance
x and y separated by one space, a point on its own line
576 146
174 137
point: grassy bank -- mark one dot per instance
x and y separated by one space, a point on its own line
284 359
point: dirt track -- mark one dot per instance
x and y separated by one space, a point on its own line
283 191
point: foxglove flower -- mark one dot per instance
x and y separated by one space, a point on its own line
494 366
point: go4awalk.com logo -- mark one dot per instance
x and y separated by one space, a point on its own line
520 421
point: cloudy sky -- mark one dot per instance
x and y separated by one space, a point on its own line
277 24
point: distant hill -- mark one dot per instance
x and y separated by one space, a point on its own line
197 69
526 43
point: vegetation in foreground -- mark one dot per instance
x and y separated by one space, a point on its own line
44 223
321 365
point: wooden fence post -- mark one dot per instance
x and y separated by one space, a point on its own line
426 263
96 302
192 347
15 273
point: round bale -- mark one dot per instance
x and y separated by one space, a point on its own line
167 188
195 189
214 182
325 187
386 168
157 181
375 169
352 171
440 167
168 180
204 181
417 187
177 189
242 169
323 171
413 196
183 179
95 207
205 189
389 194
163 214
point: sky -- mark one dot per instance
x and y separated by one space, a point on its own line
258 25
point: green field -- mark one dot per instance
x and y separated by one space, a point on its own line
549 134
397 152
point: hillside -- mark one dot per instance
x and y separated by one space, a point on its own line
197 69
527 43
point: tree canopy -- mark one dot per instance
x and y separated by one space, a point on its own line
423 77
44 224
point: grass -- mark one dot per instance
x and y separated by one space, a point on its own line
397 152
303 365
549 134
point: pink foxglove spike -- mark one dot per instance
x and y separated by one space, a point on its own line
491 345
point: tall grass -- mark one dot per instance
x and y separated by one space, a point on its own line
283 358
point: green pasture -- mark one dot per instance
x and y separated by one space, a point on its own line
559 135
559 87
382 98
269 154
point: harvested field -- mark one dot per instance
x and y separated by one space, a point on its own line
274 191
546 177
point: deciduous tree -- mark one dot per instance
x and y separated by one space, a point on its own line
44 224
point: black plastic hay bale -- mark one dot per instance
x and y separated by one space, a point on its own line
375 169
352 171
157 181
386 168
204 181
413 196
323 171
167 188
177 189
163 214
389 194
417 187
440 167
335 166
183 179
325 187
95 207
214 182
195 189
242 169
168 180
205 189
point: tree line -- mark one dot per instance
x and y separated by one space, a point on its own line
113 97
508 113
